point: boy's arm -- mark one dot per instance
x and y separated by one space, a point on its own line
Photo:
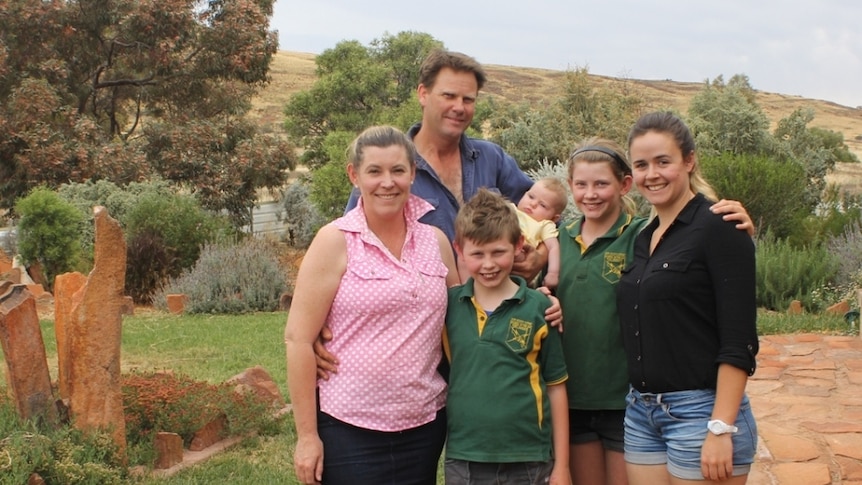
560 433
552 276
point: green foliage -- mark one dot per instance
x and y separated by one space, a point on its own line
357 86
330 189
299 215
773 192
48 233
532 133
165 234
725 118
835 213
61 456
797 142
834 142
240 277
786 273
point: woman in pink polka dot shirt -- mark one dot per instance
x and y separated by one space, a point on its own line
377 278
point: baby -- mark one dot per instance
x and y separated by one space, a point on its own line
539 210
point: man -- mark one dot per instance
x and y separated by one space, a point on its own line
451 167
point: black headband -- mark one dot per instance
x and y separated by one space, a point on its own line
607 151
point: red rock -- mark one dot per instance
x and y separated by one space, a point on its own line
839 308
169 450
94 336
846 444
27 374
5 262
66 286
128 307
257 380
176 303
807 473
795 308
209 434
35 479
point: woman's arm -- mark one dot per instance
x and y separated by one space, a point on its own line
316 285
716 456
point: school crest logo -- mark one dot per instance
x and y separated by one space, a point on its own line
613 267
519 334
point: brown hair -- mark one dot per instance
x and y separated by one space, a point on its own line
487 217
382 137
669 123
458 62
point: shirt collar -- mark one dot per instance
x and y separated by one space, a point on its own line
466 290
354 220
467 150
622 223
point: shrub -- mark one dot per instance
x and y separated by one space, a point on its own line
48 233
300 216
230 278
177 224
61 456
774 193
847 250
330 189
155 402
786 273
149 264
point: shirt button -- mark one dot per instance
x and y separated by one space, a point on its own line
664 265
643 383
639 358
636 307
637 333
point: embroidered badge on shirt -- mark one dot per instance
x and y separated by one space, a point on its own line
519 334
613 268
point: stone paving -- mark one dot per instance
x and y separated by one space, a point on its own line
807 398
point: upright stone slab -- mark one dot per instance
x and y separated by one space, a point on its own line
66 286
27 374
94 335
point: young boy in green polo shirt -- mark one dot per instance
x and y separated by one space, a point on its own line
507 408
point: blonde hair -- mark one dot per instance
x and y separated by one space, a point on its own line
556 186
603 150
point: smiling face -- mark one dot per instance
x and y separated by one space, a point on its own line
540 203
660 171
597 191
383 177
448 106
490 263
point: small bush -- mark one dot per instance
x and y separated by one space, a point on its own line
230 278
148 265
155 402
300 216
786 273
61 456
847 250
330 189
48 233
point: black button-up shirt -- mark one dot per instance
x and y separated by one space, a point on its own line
691 304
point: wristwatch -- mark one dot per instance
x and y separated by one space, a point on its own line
719 427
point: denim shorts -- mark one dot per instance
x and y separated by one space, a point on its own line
671 427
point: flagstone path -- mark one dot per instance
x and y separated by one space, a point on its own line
807 398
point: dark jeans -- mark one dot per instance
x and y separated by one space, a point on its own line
358 456
460 472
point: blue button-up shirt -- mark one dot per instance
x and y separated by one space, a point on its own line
483 164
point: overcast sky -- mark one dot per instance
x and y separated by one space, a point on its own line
807 48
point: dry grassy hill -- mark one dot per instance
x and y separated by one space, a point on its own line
294 71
